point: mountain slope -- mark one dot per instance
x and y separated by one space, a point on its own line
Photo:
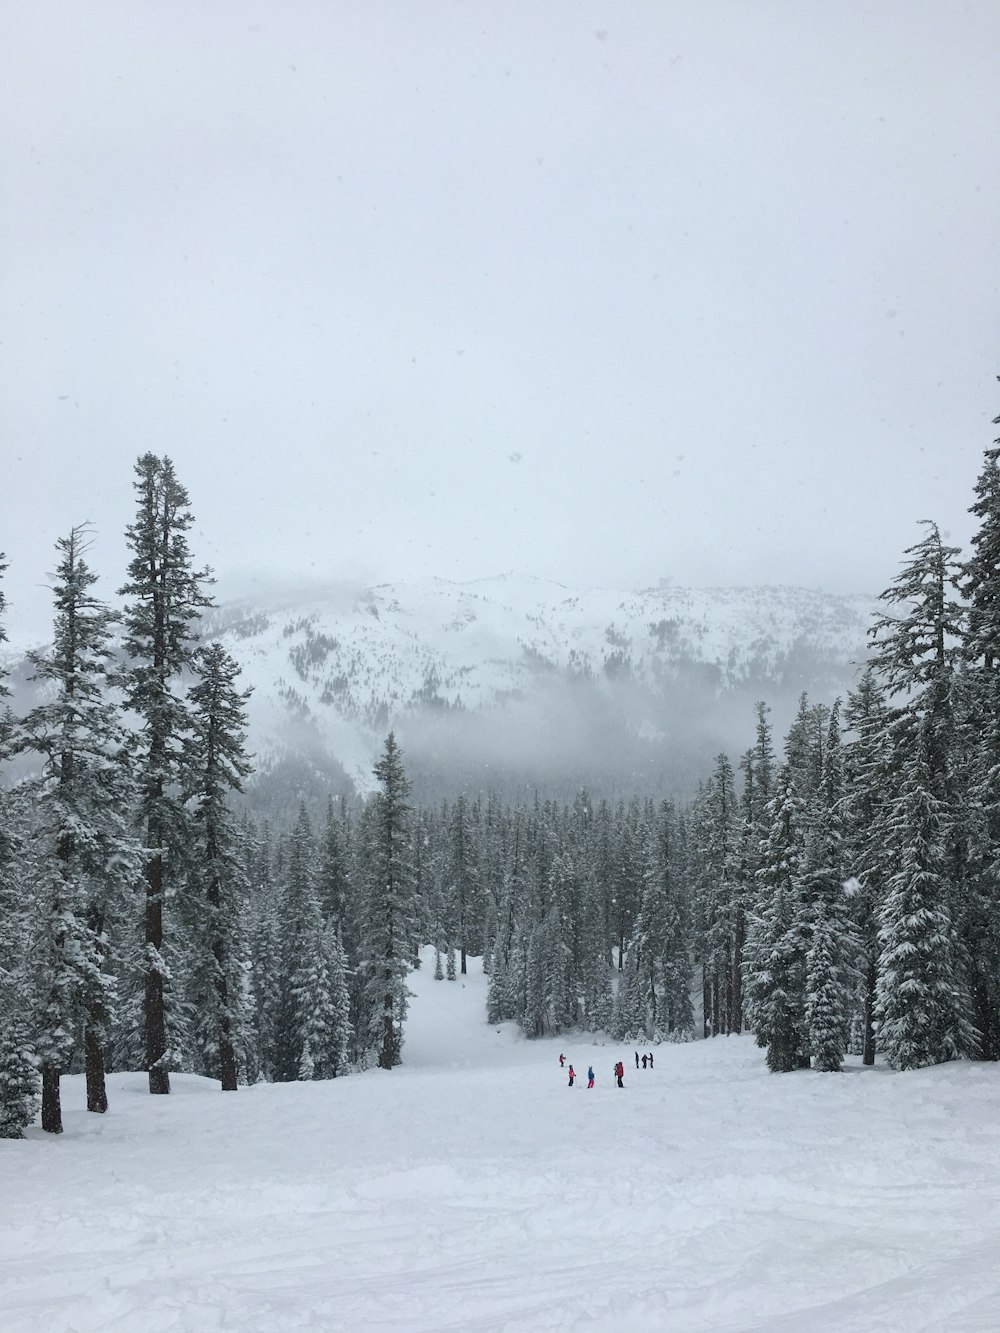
471 1188
526 678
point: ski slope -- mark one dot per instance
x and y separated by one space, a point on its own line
471 1189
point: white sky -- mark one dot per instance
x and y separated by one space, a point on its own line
604 293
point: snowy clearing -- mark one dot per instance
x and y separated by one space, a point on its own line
472 1189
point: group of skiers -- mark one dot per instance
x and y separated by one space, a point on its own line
619 1070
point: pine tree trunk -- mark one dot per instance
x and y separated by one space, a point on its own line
97 1095
871 979
706 1002
464 968
156 1015
387 1054
736 1013
51 1106
227 1059
228 1070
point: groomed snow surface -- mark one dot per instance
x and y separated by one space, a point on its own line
472 1189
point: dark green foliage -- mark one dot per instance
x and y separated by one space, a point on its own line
216 764
19 1081
165 600
84 857
389 927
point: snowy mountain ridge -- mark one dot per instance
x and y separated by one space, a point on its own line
333 669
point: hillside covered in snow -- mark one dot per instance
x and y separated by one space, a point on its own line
471 1188
514 680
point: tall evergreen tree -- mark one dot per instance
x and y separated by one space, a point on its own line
462 881
391 909
217 764
867 775
776 947
830 971
18 1065
84 854
916 649
166 597
922 1003
979 920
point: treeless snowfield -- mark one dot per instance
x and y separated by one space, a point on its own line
473 1190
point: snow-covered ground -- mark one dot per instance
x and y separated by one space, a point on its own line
473 1190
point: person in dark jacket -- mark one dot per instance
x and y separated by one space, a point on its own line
590 1076
651 1059
644 1061
637 1059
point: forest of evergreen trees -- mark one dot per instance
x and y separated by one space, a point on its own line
833 893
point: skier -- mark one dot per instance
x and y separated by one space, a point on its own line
590 1076
637 1059
651 1059
572 1075
620 1073
562 1060
644 1059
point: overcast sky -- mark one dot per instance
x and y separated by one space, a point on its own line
607 293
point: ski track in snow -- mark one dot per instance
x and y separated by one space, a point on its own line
472 1189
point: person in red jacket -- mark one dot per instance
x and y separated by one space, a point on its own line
572 1075
562 1060
620 1073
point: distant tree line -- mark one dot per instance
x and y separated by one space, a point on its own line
839 896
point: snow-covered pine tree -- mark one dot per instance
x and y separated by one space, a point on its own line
389 927
758 768
719 898
562 940
18 1067
319 985
776 948
979 921
335 899
502 996
165 601
628 1020
216 766
461 885
867 764
917 652
664 930
922 1004
84 857
303 974
265 957
830 972
626 873
19 1096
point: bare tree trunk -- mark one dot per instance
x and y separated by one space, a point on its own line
229 1070
706 1002
387 1055
871 980
51 1106
156 1015
97 1094
736 1020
